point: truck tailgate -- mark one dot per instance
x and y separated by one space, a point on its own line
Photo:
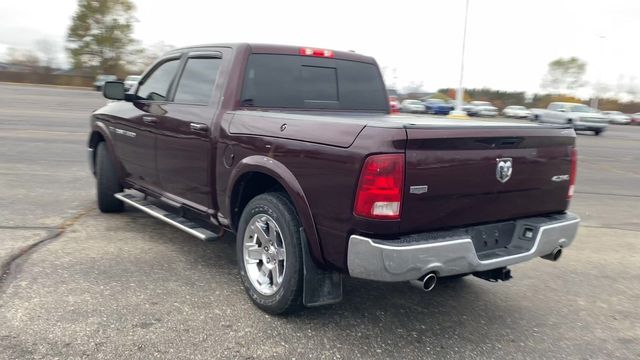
451 177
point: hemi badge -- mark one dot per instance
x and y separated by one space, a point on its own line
421 189
558 178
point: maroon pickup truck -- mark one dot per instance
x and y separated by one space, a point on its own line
294 151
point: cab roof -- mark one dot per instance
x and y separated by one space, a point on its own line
257 48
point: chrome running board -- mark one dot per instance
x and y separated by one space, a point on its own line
181 223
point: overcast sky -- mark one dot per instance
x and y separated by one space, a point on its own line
509 42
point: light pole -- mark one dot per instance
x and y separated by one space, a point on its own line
458 113
598 87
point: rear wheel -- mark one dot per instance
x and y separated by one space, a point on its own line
107 181
269 251
597 132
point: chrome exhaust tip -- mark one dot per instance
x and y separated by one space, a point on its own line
554 255
425 283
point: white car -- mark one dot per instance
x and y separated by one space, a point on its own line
412 106
482 108
515 111
131 81
617 117
580 116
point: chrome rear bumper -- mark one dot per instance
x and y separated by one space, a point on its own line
452 253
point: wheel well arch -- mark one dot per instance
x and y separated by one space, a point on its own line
248 186
95 138
255 175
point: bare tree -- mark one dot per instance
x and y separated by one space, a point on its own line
413 87
22 57
141 57
564 75
48 50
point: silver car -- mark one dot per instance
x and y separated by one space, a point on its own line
101 79
131 81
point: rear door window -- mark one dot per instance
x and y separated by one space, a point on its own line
197 81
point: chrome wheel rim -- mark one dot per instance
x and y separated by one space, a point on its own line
264 254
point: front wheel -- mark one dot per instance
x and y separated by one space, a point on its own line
107 182
269 251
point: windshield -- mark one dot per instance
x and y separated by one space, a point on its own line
435 101
581 108
290 81
518 108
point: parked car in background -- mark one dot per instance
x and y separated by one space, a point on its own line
412 106
580 116
516 111
635 119
131 81
437 106
101 79
536 113
394 104
482 108
617 117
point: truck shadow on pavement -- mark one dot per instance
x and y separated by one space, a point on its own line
367 306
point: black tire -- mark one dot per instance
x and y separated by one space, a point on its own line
288 297
597 132
107 182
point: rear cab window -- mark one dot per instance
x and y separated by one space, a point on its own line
302 82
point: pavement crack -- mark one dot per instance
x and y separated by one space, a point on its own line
11 268
21 227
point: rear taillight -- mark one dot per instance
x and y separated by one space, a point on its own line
379 193
316 52
574 169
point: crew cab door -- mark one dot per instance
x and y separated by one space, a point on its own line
185 155
135 131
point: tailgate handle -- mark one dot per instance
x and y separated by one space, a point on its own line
501 142
506 142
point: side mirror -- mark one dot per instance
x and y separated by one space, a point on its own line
113 90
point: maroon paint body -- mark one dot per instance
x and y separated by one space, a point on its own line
317 156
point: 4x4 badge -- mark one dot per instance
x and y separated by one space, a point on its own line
504 168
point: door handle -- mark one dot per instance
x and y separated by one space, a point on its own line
149 119
198 127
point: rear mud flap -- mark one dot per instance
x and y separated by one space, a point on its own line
320 287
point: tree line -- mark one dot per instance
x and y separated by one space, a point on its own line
563 78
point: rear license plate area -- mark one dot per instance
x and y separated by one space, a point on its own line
492 237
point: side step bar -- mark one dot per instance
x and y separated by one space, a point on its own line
172 219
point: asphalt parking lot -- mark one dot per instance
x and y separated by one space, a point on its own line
80 284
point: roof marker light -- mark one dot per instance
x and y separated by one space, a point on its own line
316 52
